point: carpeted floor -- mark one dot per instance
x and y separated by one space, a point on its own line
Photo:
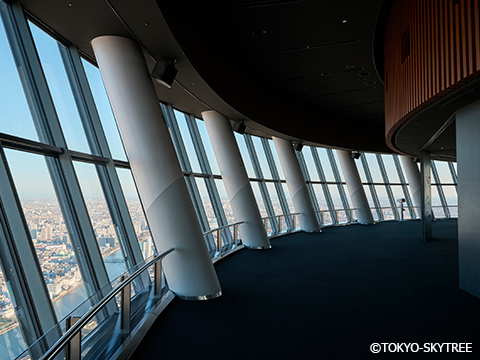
327 296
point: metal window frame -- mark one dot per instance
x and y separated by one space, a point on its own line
404 184
390 196
373 192
341 190
441 194
308 182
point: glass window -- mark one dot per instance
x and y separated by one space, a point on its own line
374 168
137 214
208 147
103 226
337 201
277 208
337 162
207 203
187 141
276 159
310 164
59 86
48 231
391 169
245 155
322 203
398 194
11 340
15 117
384 202
443 172
258 198
450 193
222 193
288 197
324 160
361 170
262 159
104 111
437 207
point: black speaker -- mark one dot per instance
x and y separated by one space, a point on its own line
297 146
164 73
239 127
355 155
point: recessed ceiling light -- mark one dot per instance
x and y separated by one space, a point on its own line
344 21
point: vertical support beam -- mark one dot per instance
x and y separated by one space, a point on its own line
125 298
413 177
156 169
236 181
426 192
468 167
74 347
355 187
296 185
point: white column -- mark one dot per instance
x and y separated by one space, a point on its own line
237 184
355 187
414 179
296 185
155 167
468 167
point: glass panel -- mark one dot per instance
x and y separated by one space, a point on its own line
288 198
443 171
276 159
390 168
208 147
320 196
15 117
274 198
398 194
262 159
11 340
347 195
187 141
222 193
245 155
437 208
102 223
361 170
374 169
258 197
327 168
59 86
137 214
49 234
337 201
104 111
450 193
207 204
312 170
337 162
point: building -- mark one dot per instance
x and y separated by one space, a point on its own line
323 110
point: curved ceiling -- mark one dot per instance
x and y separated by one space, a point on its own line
304 69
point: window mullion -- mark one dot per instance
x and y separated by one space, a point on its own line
373 192
440 189
326 190
404 186
341 190
391 198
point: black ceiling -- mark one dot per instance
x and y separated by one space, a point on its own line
300 68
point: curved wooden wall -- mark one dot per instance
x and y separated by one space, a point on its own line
431 48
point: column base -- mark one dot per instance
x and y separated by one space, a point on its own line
313 231
200 297
258 247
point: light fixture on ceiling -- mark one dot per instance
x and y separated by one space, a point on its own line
164 72
298 146
355 155
239 127
344 21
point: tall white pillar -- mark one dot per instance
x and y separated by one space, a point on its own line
237 184
155 167
355 187
414 179
296 185
468 186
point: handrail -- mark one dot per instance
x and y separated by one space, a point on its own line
222 227
72 332
279 228
219 235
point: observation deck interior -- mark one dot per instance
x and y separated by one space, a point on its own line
333 294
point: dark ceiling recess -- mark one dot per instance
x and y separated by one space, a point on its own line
302 68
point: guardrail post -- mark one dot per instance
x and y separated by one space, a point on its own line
74 347
280 224
294 220
219 240
265 224
322 218
157 278
125 307
235 235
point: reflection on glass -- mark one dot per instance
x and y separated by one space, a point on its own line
274 198
222 193
207 145
59 86
48 231
11 340
15 117
102 223
259 199
245 155
104 111
309 162
187 141
262 159
136 213
207 203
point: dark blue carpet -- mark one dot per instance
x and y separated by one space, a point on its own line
327 296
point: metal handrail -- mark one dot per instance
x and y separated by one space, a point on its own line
280 217
219 234
84 320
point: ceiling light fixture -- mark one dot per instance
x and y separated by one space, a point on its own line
164 72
